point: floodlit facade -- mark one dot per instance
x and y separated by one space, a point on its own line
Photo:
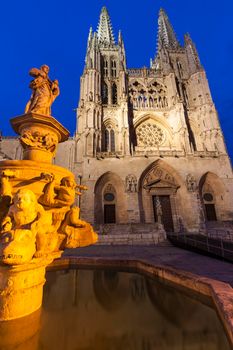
147 139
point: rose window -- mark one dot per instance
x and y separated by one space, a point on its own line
149 135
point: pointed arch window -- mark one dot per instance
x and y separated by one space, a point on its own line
112 138
113 68
94 144
114 94
105 67
106 140
109 140
105 94
180 69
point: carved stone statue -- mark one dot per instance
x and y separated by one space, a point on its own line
58 195
25 219
131 183
78 233
44 91
191 183
37 217
159 211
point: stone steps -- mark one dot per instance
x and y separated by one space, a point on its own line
131 239
130 234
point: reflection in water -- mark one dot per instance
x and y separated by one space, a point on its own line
109 310
20 334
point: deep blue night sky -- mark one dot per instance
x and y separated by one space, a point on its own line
55 32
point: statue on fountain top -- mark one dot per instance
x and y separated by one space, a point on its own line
44 91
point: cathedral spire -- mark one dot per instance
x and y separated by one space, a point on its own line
104 31
121 47
89 37
166 34
89 43
193 58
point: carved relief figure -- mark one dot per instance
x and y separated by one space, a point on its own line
78 233
39 139
156 175
24 221
131 183
44 91
191 183
58 196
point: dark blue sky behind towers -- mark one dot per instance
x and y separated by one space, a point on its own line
55 32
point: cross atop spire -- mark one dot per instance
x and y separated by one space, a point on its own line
104 31
166 34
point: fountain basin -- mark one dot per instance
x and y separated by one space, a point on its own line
106 309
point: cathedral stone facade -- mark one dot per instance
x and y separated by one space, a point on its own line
148 140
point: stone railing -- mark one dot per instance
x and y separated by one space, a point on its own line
103 155
158 153
142 73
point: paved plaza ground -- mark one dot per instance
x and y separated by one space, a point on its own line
162 255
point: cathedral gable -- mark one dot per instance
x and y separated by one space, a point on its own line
158 177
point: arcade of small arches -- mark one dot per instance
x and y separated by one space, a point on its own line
135 199
152 96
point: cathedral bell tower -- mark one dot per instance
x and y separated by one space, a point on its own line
102 115
191 92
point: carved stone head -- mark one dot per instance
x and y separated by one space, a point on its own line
24 199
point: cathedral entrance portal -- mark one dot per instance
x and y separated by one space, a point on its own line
110 202
158 196
212 194
165 203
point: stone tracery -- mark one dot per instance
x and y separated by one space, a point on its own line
150 134
152 95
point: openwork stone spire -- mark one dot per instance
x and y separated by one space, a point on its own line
166 34
193 58
104 31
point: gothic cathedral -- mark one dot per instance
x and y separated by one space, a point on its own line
150 134
147 139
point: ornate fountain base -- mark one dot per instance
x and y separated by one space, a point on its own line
21 287
38 218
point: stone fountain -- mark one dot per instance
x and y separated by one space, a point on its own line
38 219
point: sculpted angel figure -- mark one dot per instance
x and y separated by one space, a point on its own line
44 91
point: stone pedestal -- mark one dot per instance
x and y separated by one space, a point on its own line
21 287
39 136
37 217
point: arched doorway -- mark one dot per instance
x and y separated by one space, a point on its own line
209 203
110 206
157 195
109 202
212 196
